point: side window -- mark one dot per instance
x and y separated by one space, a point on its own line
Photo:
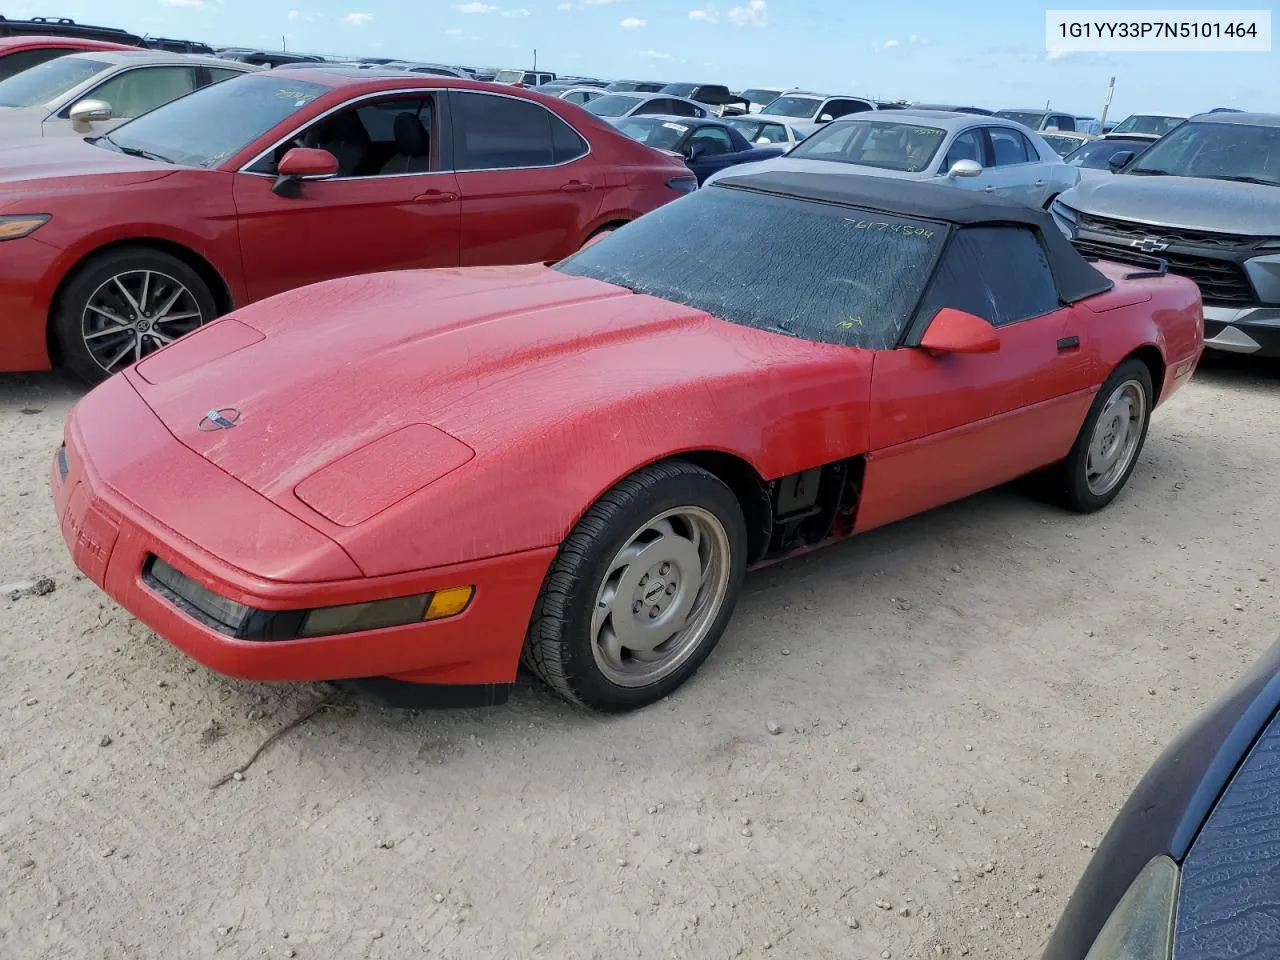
23 59
577 96
682 109
842 108
998 273
384 137
772 133
966 146
658 107
217 75
1065 123
134 92
1008 147
494 133
714 140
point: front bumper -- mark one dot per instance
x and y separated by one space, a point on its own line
1250 330
112 538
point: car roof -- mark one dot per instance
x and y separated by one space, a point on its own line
1076 278
945 119
1248 119
36 41
683 121
121 57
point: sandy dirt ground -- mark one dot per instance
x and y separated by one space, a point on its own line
965 700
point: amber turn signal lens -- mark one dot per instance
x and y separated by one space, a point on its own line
13 227
449 603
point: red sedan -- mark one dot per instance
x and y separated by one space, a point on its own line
421 478
22 53
114 246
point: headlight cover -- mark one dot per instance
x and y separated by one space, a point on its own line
1065 217
15 226
1141 925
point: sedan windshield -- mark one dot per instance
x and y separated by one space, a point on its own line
1097 154
1061 145
612 105
204 128
799 108
822 272
659 134
1148 124
1026 118
887 146
759 96
48 81
1217 151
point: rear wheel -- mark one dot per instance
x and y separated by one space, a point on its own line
641 589
123 304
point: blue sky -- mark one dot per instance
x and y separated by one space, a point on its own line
985 52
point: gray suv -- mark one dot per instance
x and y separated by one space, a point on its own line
1205 198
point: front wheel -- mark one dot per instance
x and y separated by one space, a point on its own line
641 589
1107 447
123 304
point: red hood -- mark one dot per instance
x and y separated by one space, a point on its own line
43 166
485 354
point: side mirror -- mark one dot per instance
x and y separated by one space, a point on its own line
1120 160
299 164
87 111
954 331
964 168
825 118
695 150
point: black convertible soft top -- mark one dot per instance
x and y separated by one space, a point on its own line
1075 277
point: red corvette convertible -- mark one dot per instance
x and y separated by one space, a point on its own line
113 246
417 479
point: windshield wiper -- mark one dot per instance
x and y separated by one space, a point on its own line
1150 172
134 151
1243 179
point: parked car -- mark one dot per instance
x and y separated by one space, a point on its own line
431 475
1189 867
555 88
277 179
757 98
715 95
765 131
1040 119
92 93
1152 126
707 146
806 112
1065 143
615 106
63 27
432 69
1203 199
1089 125
945 108
578 95
984 154
523 78
1093 158
635 86
177 46
270 58
24 52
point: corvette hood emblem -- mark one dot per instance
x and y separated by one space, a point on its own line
223 418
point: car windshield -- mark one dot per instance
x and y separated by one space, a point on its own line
906 147
799 108
1097 154
760 96
624 86
48 80
204 128
1026 118
509 76
1148 124
1061 145
659 134
748 128
679 89
612 105
1217 151
822 272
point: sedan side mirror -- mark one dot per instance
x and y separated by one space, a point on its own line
825 118
964 168
954 331
695 150
1120 160
87 111
299 164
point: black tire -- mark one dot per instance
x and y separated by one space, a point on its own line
560 646
1069 480
68 315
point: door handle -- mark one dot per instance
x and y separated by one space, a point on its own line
577 186
436 196
1039 183
989 189
1068 343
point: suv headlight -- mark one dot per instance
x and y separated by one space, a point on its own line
1065 217
1141 926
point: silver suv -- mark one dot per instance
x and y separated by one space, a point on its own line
1205 198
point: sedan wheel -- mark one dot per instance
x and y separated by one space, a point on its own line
641 589
135 313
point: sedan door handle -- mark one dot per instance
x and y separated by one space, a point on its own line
436 196
577 186
1040 183
989 189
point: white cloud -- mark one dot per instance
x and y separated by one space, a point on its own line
453 33
654 55
515 14
357 19
919 41
890 44
632 23
754 14
1059 54
705 15
564 6
295 16
476 7
182 3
